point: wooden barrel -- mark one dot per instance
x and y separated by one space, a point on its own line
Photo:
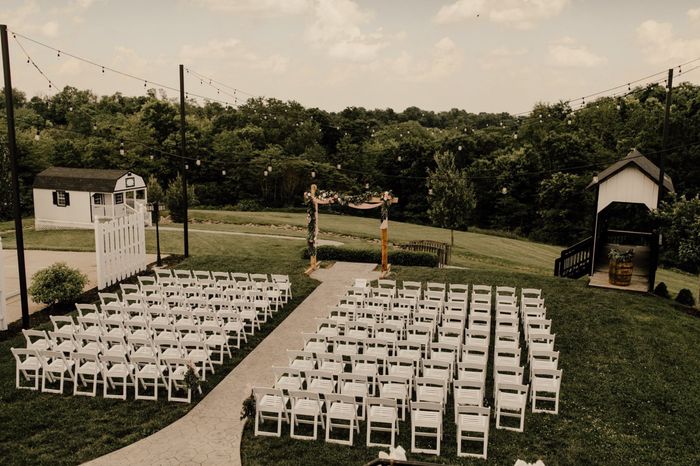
620 273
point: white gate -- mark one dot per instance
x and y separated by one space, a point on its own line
120 244
3 294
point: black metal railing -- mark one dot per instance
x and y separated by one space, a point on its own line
576 261
628 238
443 251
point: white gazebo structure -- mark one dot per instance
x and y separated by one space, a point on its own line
75 197
634 180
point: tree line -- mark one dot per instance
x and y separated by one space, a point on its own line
527 174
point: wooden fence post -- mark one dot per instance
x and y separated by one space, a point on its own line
3 294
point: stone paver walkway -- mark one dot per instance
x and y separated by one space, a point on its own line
210 434
320 242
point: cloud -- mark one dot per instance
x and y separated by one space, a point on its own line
519 14
567 53
661 45
445 59
337 30
501 57
24 19
694 14
233 51
258 7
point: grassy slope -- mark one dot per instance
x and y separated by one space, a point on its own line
51 429
473 250
630 391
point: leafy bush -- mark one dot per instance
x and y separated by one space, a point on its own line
57 283
396 257
662 291
685 297
248 205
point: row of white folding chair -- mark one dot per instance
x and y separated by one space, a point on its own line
86 369
122 323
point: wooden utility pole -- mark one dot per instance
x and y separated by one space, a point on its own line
12 149
186 242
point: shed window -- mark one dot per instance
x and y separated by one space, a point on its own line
61 198
119 198
130 182
98 199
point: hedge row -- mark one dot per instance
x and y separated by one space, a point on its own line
396 257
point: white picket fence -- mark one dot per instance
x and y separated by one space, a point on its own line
120 245
3 294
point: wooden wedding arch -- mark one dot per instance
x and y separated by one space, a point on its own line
369 200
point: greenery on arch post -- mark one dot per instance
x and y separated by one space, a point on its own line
453 198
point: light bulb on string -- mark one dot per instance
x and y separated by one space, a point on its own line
313 174
459 148
187 166
339 166
152 157
223 172
504 190
398 158
58 54
37 136
269 168
515 135
366 185
198 162
430 191
94 126
264 172
121 148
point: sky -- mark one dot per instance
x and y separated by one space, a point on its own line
477 55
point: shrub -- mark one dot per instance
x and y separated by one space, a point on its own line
57 283
685 297
662 291
174 200
248 205
396 257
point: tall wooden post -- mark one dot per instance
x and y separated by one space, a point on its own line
186 239
385 249
311 240
12 150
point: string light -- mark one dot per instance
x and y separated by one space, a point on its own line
269 168
265 173
121 148
504 190
198 162
366 185
430 191
223 172
187 166
338 166
398 158
313 174
37 136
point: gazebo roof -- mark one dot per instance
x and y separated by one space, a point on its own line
642 163
78 179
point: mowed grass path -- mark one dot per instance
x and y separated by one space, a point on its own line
630 389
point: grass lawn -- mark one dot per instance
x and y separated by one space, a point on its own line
472 249
630 390
52 429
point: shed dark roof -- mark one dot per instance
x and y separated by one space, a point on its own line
644 164
78 179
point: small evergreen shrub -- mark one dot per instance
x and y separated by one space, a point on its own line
57 283
662 291
685 297
396 257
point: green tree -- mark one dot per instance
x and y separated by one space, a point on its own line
680 224
453 197
155 192
175 202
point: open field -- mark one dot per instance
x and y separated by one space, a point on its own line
630 390
472 250
49 429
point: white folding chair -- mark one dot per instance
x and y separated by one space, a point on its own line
147 368
545 385
28 364
86 365
426 421
178 368
382 417
341 413
306 408
270 404
54 366
117 371
472 426
510 402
